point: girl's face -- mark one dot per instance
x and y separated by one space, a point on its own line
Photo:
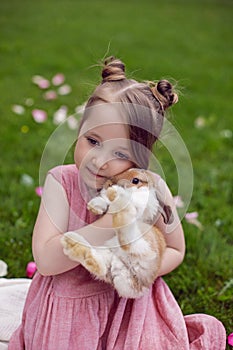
102 151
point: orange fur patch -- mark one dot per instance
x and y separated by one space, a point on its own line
127 176
83 252
111 194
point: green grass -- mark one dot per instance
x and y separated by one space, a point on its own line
189 41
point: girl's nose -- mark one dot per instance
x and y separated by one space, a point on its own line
100 162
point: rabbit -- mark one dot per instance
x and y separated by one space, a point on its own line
129 261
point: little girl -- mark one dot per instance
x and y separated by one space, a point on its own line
66 308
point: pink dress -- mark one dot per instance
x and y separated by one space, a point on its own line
73 311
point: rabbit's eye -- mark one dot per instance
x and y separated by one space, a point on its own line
135 181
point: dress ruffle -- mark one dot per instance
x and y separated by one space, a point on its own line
71 318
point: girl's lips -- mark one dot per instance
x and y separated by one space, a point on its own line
96 175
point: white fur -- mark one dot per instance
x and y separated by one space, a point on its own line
146 202
132 267
98 205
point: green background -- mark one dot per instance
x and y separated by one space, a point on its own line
188 41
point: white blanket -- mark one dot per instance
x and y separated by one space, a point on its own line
12 297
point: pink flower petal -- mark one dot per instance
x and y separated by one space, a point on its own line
36 79
26 180
17 109
72 122
44 84
64 89
191 218
50 95
58 79
80 109
31 269
178 202
200 122
230 339
39 115
60 115
40 81
39 191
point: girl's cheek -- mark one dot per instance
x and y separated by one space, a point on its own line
77 155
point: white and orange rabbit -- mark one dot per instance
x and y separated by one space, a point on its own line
130 261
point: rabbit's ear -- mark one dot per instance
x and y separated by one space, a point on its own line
164 209
166 212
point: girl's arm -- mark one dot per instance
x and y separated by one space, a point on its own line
52 222
174 235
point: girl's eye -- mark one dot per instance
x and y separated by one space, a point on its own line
121 155
92 141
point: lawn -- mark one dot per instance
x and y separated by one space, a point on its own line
188 41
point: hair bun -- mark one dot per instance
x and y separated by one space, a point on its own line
113 69
165 90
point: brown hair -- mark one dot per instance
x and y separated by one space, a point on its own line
144 104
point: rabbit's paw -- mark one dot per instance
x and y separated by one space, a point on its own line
74 246
78 249
112 193
97 205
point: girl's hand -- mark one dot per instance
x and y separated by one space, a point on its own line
173 234
52 223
